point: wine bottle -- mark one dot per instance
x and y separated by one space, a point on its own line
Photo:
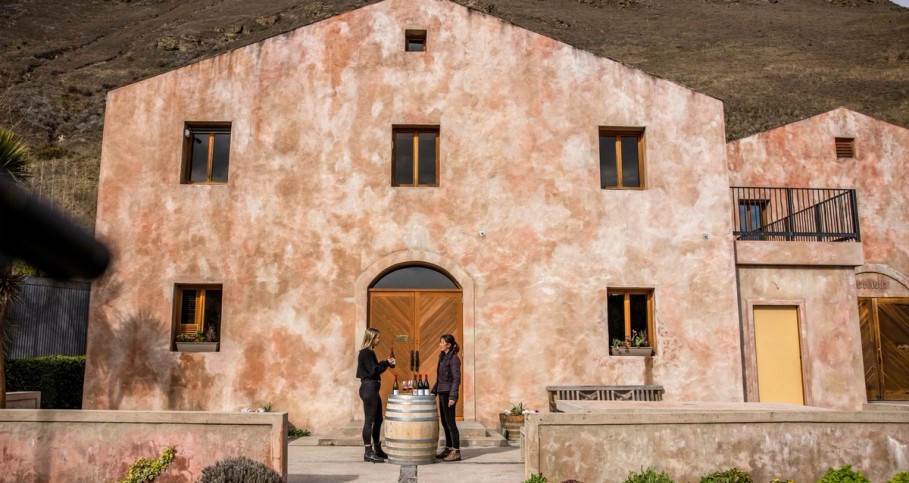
394 387
416 385
424 389
419 384
392 356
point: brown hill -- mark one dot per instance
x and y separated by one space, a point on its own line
771 61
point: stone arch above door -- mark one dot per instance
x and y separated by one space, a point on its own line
460 276
880 281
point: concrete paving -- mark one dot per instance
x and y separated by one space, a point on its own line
342 464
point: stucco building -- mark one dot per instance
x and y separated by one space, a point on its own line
424 168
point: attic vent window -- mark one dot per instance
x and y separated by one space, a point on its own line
845 147
415 40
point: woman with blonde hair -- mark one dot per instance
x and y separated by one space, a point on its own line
369 371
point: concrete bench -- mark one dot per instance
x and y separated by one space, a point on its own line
602 393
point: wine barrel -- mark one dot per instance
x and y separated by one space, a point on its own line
411 429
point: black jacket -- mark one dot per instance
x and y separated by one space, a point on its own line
448 375
368 366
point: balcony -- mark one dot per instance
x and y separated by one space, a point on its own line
795 214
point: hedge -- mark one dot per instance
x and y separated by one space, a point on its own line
59 378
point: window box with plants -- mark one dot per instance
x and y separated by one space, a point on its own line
198 342
636 345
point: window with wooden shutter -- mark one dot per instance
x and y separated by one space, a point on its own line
198 309
845 147
414 40
415 157
206 153
629 314
621 158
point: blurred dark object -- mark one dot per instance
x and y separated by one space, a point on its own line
33 231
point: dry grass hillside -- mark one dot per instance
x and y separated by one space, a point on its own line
771 61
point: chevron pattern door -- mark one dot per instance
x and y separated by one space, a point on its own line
412 322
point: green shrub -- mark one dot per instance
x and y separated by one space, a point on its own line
728 476
536 479
59 378
298 433
901 477
649 475
148 470
843 475
239 468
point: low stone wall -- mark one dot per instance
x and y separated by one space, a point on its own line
91 446
600 441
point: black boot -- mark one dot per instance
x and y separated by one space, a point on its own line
371 456
377 448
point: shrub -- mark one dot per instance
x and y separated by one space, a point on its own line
59 378
901 477
147 470
536 479
239 468
649 475
298 433
728 476
843 475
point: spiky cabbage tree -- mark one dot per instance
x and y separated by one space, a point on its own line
14 160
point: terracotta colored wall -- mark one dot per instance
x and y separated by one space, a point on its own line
309 217
802 154
91 446
687 443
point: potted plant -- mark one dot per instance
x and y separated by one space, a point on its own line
198 342
512 420
636 345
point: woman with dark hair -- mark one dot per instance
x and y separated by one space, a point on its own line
369 370
448 378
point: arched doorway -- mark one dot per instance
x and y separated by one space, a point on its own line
883 300
413 305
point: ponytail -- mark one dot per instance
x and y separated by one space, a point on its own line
451 340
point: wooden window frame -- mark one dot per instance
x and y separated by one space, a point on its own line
627 306
415 36
845 147
416 131
199 325
618 132
748 203
211 128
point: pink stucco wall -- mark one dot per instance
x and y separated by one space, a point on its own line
91 446
802 154
309 217
822 280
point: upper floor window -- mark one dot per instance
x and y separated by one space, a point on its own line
416 156
198 313
845 147
415 40
621 158
630 316
206 153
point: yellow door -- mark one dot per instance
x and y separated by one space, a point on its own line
779 355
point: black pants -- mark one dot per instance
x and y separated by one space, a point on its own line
452 436
372 410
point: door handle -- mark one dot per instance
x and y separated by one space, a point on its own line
412 360
418 360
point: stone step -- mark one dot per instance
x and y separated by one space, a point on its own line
473 434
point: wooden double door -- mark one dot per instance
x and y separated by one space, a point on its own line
411 322
885 347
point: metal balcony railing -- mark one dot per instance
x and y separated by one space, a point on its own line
795 214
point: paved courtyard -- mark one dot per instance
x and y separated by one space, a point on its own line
337 464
